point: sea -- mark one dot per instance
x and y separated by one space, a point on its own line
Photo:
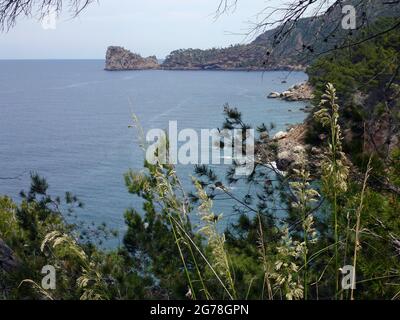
71 122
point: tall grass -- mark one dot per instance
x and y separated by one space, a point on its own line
305 197
357 244
335 170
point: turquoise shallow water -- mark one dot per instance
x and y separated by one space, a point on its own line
68 120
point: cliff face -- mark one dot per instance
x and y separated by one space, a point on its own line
118 58
284 48
237 57
290 47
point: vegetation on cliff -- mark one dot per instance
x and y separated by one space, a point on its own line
235 57
292 46
368 82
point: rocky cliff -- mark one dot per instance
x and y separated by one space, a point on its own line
118 58
236 57
289 47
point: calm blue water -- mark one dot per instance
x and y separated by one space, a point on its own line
68 120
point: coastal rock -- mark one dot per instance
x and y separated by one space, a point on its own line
291 148
274 95
284 160
118 58
280 135
299 92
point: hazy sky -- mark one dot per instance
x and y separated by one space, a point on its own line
144 26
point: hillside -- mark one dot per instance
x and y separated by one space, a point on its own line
367 79
277 49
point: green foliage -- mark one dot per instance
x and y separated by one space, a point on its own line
366 78
38 235
362 68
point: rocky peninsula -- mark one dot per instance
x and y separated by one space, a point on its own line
118 58
299 92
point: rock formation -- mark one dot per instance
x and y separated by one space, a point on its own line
290 148
118 58
294 152
298 92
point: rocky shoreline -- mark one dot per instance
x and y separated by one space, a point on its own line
293 151
299 92
291 148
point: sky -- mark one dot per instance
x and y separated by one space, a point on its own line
148 27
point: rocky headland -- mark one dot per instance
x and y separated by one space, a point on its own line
118 58
299 92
